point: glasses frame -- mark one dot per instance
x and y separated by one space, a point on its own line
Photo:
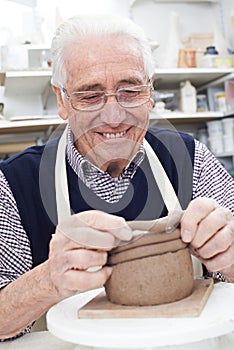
106 95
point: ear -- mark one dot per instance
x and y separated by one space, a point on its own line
62 111
151 101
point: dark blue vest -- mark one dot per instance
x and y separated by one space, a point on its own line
31 177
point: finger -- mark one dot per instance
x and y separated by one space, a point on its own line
220 261
89 237
82 259
98 220
197 210
174 218
107 222
210 225
84 280
219 243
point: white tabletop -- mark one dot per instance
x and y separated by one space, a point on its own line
46 341
216 320
37 341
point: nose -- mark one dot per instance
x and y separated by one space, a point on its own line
112 113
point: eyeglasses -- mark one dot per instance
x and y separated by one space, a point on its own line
127 97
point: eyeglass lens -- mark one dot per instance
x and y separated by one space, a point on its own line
126 97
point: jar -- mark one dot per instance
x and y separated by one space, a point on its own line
207 61
187 97
202 105
220 102
155 269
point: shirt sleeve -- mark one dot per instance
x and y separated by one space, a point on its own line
15 252
211 179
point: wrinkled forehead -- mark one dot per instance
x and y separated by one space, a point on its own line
103 54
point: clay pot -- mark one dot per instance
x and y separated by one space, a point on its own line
155 269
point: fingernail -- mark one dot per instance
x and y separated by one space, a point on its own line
125 233
108 270
186 236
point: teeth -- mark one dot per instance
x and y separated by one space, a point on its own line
114 136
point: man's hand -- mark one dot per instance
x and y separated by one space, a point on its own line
81 242
209 229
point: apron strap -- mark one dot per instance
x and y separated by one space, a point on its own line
161 178
61 186
164 184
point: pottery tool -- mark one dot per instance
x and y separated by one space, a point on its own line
166 224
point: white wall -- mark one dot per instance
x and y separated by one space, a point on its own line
198 17
227 12
20 23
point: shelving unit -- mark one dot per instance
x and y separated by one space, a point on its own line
38 130
132 2
179 117
30 109
34 85
35 82
27 82
199 77
33 125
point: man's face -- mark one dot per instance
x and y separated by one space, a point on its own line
110 136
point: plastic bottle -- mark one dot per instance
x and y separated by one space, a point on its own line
43 59
188 97
220 102
232 32
1 110
207 61
173 43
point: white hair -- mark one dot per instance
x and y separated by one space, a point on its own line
79 27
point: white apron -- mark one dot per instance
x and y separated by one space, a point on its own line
165 187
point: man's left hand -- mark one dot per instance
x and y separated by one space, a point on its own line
209 230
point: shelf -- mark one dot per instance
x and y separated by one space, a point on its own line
21 126
27 82
132 2
225 154
169 79
186 0
14 147
186 118
229 113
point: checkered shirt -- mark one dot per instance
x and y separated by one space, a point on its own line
210 179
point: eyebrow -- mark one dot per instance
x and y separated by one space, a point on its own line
97 86
130 81
89 87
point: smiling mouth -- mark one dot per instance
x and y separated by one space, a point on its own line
115 135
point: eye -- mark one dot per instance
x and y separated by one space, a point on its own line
130 92
88 97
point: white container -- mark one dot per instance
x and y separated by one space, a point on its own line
220 102
215 61
188 97
215 128
228 127
216 144
227 143
206 61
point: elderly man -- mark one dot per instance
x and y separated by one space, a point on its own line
64 205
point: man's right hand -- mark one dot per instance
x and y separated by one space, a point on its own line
81 242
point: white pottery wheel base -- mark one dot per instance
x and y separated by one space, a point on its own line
216 319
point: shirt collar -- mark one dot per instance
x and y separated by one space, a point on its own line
83 167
